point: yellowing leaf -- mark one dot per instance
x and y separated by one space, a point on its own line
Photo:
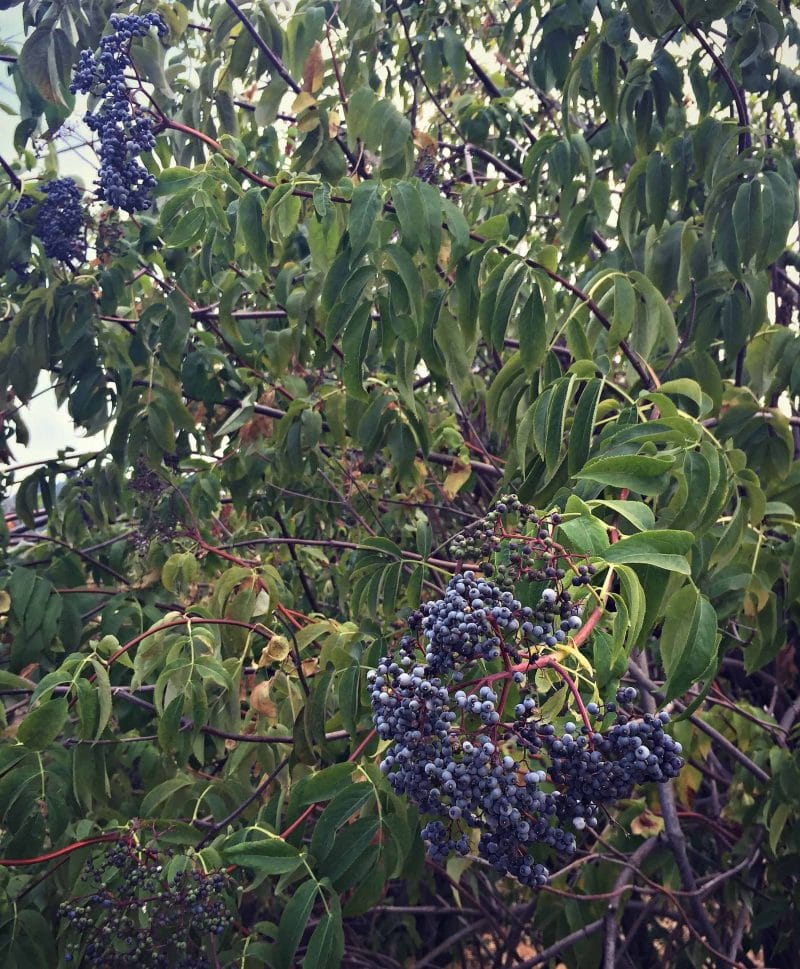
647 824
276 651
305 107
304 102
456 479
444 251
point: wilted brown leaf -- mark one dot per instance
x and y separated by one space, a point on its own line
313 69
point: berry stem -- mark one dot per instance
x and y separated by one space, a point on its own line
548 661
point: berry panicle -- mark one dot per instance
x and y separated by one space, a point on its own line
456 750
124 129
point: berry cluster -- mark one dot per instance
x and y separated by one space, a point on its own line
60 219
596 769
125 130
135 915
19 205
456 751
533 555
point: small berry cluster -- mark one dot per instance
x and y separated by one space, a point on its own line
458 755
533 556
124 129
135 915
59 220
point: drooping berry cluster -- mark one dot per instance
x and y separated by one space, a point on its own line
597 769
456 750
59 221
125 130
135 914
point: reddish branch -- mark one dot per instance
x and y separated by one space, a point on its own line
60 852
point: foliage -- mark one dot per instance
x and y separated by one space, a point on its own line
400 258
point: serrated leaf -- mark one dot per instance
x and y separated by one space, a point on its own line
43 724
664 548
689 639
293 923
365 207
273 856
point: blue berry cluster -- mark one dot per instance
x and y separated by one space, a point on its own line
476 619
124 129
59 220
601 768
134 915
470 766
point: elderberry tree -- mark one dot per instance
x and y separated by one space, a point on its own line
321 287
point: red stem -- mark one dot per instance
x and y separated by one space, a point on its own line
67 850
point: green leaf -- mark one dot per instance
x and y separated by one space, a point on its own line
43 724
658 177
45 61
432 221
507 292
580 437
355 341
250 224
410 214
748 219
731 538
326 946
323 785
689 639
624 309
365 208
188 228
585 534
293 923
665 549
532 328
351 842
637 513
272 856
643 474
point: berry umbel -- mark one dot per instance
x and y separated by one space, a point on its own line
59 221
123 127
485 767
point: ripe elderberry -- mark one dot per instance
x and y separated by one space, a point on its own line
60 219
456 754
124 129
134 914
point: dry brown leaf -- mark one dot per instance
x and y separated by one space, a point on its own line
261 703
314 69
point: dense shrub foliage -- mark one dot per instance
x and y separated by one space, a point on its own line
433 595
